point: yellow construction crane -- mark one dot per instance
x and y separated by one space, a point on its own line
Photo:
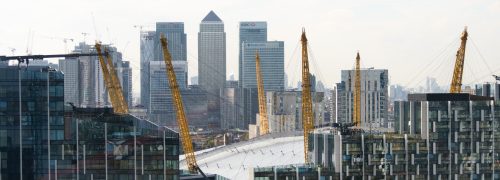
187 144
307 114
264 124
456 81
357 93
118 102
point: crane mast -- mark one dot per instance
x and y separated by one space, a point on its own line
187 145
307 114
264 124
111 81
456 81
357 93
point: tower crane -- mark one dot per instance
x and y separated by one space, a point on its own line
456 81
307 114
187 144
111 80
357 93
264 124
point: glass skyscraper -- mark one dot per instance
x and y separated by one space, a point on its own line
272 65
176 38
41 137
250 32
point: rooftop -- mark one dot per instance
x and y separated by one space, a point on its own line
447 97
211 17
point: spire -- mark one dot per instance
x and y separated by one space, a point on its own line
211 17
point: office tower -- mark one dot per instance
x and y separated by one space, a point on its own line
176 39
212 61
212 53
126 81
272 65
147 39
161 109
195 100
374 97
250 32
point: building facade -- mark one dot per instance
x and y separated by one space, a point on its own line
437 136
374 97
250 31
147 54
272 65
284 110
176 39
42 138
85 81
212 62
161 109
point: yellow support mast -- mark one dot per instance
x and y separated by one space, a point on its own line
113 87
187 145
264 124
307 114
357 93
123 106
456 81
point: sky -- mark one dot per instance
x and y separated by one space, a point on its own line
412 39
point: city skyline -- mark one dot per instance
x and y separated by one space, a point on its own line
396 36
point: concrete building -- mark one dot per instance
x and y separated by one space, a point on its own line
250 31
71 69
284 110
161 109
212 61
147 44
374 97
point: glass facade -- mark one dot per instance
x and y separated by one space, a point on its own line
42 138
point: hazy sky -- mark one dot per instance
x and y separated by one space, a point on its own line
413 39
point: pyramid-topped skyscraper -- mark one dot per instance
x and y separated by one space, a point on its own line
212 62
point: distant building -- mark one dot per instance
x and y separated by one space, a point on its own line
147 39
176 40
272 65
374 97
85 80
194 80
161 109
250 32
195 100
212 61
397 93
284 110
126 81
231 109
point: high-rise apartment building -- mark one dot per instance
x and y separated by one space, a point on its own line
374 97
85 81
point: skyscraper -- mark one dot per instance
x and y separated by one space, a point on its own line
85 74
212 61
161 109
176 39
272 65
250 32
147 55
126 81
